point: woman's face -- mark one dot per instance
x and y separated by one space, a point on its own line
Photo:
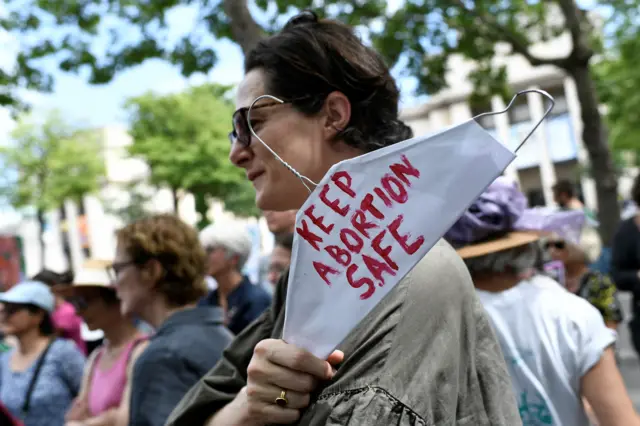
304 142
128 283
17 319
93 309
557 249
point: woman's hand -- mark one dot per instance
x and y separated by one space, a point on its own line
79 411
275 367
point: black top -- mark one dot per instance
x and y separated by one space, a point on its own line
244 304
185 347
625 258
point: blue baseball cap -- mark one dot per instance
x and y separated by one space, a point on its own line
30 293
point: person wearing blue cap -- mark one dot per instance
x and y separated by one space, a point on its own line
41 375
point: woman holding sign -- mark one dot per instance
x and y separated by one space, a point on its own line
314 95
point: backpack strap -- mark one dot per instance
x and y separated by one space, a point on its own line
34 378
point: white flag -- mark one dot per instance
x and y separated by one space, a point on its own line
371 219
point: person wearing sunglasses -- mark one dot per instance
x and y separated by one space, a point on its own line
314 95
593 286
65 318
106 382
158 273
40 377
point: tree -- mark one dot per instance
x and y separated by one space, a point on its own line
48 164
619 85
424 34
184 139
136 207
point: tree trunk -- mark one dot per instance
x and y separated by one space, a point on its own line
65 237
176 200
244 29
202 208
41 225
594 136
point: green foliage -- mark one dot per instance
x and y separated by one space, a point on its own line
618 83
424 33
183 138
50 163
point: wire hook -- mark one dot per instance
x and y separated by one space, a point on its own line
552 103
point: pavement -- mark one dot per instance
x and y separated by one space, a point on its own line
627 357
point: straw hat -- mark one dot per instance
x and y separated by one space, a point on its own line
509 241
93 274
500 220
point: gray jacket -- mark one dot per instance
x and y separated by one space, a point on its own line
426 355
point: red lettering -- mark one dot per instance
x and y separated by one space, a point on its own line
340 255
324 271
356 244
318 220
377 268
359 221
383 252
402 239
404 170
381 194
367 206
346 185
308 235
333 204
364 281
399 194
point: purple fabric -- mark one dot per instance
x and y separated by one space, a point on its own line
567 224
494 213
502 208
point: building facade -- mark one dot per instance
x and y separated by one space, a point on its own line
554 152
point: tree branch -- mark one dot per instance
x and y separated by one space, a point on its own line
573 17
246 32
501 33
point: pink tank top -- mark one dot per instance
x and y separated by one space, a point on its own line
107 386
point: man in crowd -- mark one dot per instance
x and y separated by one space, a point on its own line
564 195
228 247
280 257
281 222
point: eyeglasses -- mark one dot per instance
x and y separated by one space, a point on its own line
9 309
79 303
560 245
114 270
241 129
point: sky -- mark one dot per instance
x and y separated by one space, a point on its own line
86 105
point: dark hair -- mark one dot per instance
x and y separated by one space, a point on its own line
46 325
564 187
310 58
635 191
284 240
108 296
176 246
52 278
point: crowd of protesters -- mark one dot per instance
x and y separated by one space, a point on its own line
481 332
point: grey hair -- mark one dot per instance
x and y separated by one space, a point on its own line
233 238
516 260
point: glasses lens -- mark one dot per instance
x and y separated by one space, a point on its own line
240 127
79 303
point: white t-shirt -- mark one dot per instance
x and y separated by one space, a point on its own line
550 338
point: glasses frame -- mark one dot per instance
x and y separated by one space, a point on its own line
116 268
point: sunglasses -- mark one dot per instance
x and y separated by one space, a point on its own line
8 309
560 245
241 132
79 303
